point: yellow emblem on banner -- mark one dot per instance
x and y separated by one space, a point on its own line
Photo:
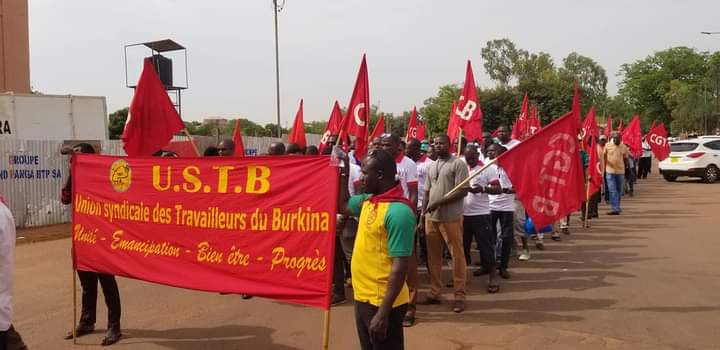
120 175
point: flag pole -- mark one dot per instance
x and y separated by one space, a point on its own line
326 330
459 141
472 176
587 203
192 142
74 330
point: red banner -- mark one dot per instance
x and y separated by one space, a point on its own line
236 225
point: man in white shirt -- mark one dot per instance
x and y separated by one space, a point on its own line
502 211
7 268
476 216
505 137
645 161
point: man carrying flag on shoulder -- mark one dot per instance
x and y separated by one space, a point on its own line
383 246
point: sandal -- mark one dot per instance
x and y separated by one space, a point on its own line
493 287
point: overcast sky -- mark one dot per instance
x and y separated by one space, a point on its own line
413 47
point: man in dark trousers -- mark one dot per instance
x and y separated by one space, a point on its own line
89 281
383 246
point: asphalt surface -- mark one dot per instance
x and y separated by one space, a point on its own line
647 279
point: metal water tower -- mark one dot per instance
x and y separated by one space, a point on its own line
164 67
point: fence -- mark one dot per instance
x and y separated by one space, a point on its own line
32 172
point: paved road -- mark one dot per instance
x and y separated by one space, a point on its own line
648 279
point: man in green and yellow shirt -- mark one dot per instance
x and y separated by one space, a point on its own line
384 243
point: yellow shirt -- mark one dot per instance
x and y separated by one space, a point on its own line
614 156
385 230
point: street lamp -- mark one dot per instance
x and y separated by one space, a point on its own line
277 7
717 94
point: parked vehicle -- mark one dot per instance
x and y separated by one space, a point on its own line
696 157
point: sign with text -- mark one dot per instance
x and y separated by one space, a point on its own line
263 226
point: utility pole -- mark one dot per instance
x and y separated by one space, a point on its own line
277 9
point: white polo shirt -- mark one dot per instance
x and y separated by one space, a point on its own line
7 266
406 174
511 144
503 201
353 178
422 166
479 203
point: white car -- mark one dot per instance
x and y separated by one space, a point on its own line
697 157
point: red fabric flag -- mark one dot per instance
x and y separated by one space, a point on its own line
652 126
657 139
620 127
152 118
453 129
468 108
547 172
576 104
608 127
297 134
237 138
333 126
594 168
421 131
183 149
358 112
632 137
412 129
379 128
589 128
534 123
521 126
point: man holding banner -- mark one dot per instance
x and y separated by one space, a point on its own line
382 249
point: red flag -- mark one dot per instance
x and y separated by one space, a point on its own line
237 138
620 126
453 129
152 118
594 168
534 123
184 149
547 172
421 131
657 139
576 104
589 128
521 126
297 134
358 113
333 126
632 137
412 129
652 126
468 108
379 128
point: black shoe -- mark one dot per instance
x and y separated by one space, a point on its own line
408 320
111 337
80 331
504 274
481 272
450 284
246 296
429 301
614 213
338 299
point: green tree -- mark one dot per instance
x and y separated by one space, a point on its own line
647 83
116 123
